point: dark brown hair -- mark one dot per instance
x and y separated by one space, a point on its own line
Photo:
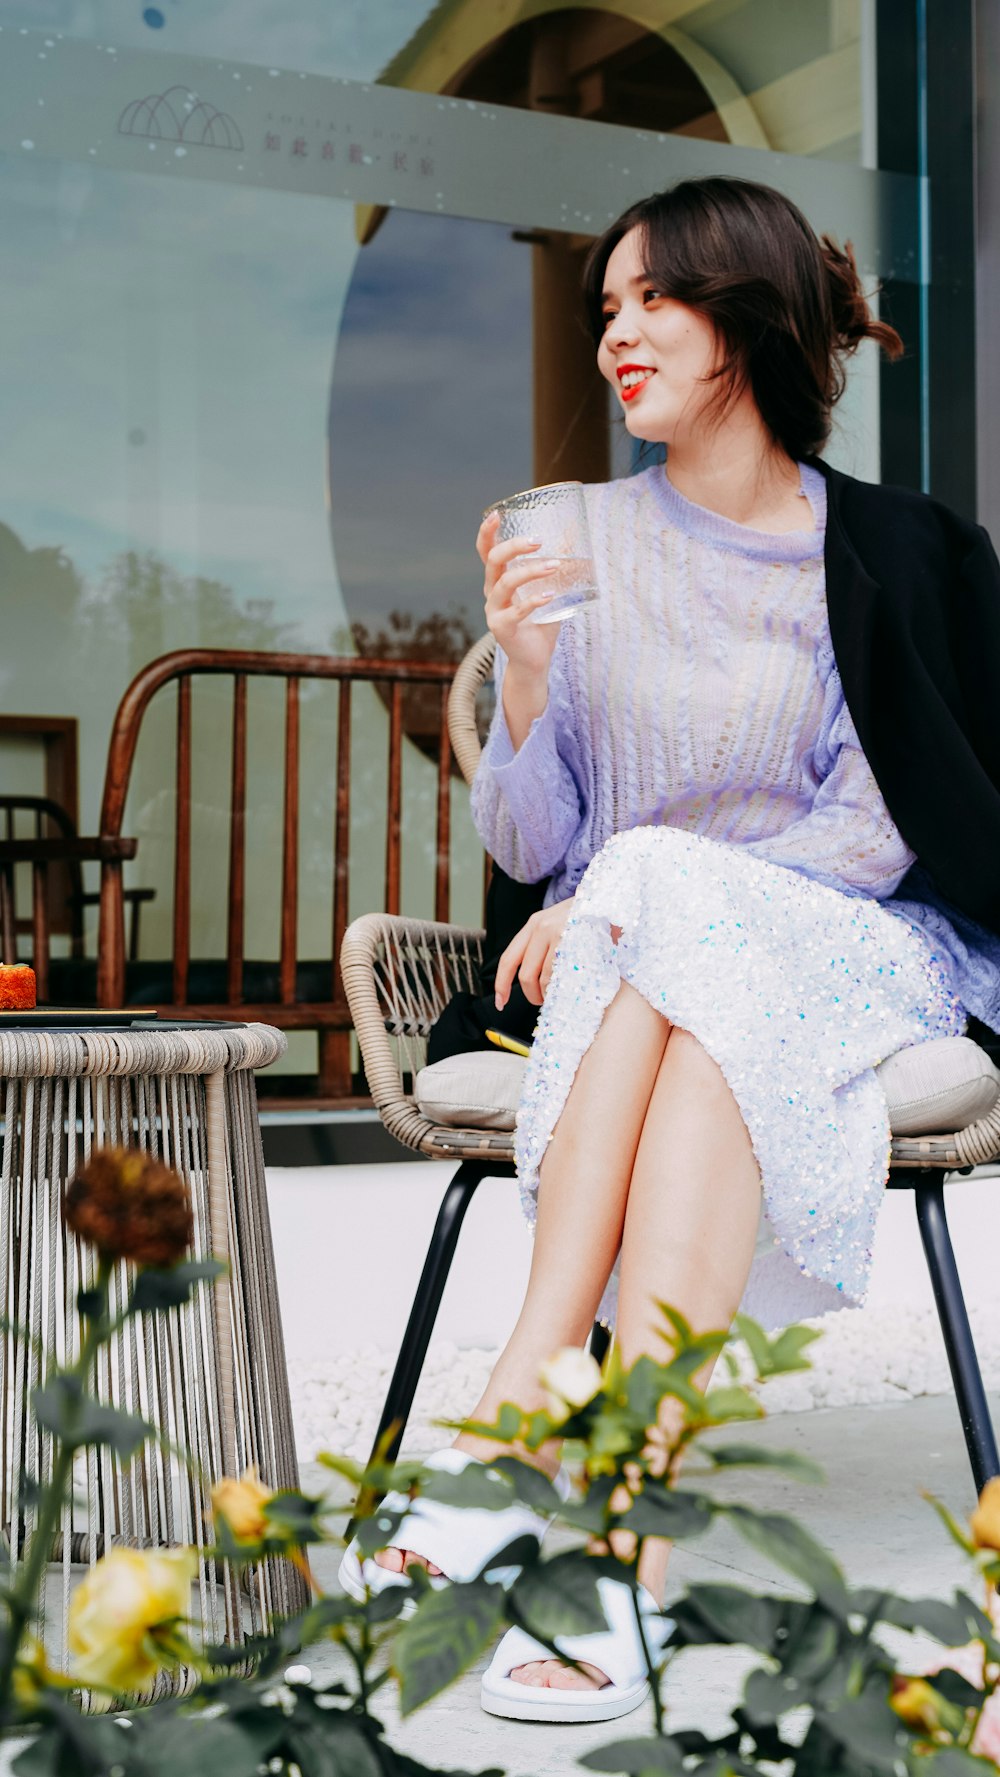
788 306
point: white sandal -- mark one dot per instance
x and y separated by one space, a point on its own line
458 1539
616 1651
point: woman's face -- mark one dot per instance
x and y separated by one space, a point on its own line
656 353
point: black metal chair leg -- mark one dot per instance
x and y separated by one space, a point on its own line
980 1438
426 1303
600 1339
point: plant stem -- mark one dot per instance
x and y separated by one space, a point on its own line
22 1601
652 1673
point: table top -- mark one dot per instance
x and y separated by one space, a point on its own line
31 1051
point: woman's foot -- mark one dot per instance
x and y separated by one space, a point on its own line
396 1560
449 1542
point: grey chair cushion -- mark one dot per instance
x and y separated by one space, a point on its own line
938 1086
476 1091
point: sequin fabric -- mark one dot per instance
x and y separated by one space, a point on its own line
797 991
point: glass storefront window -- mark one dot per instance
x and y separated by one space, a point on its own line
292 292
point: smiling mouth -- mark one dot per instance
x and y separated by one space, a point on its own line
631 380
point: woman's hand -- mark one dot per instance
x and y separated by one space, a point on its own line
513 567
531 954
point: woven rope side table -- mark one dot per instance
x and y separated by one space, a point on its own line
210 1376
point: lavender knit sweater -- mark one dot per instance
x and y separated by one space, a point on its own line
701 691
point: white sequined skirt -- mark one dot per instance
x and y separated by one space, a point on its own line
797 991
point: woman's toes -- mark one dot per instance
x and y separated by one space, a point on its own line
555 1676
533 1673
572 1678
391 1559
397 1560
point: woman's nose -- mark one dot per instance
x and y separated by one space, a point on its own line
622 329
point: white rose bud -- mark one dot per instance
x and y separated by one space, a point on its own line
570 1379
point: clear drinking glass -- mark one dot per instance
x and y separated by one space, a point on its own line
556 518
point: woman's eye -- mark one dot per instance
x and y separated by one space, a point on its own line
607 317
652 294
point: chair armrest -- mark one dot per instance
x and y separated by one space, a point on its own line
473 672
398 975
109 848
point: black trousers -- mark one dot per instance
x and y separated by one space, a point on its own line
466 1018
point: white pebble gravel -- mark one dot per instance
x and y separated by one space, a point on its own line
865 1356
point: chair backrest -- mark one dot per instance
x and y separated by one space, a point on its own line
326 1012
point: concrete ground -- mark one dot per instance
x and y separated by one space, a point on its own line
870 1514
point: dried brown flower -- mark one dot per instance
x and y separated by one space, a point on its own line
130 1206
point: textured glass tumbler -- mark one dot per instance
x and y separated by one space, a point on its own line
556 518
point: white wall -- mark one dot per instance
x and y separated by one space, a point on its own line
350 1242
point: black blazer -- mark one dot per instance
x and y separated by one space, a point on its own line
913 596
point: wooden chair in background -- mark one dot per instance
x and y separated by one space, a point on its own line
292 991
58 897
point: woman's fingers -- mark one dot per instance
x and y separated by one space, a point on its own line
486 536
506 563
508 966
536 964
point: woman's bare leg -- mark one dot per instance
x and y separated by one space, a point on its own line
689 1234
583 1190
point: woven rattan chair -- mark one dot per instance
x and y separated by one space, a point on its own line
399 974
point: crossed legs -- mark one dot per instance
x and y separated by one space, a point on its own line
650 1156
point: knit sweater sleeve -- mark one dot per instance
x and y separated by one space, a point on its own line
528 804
848 838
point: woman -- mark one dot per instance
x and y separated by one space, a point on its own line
727 949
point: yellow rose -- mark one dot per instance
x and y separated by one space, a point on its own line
239 1504
985 1520
918 1704
123 1618
570 1380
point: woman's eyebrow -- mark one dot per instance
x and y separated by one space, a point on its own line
631 283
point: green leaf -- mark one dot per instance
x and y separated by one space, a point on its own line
870 1730
171 1287
61 1406
295 1514
343 1465
530 1485
730 1617
448 1630
474 1488
951 1761
71 1746
767 1696
91 1303
334 1746
785 1542
377 1532
634 1757
778 1356
728 1403
954 1624
800 1468
193 1744
811 1654
560 1597
503 1429
593 1510
955 1530
667 1511
951 1685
